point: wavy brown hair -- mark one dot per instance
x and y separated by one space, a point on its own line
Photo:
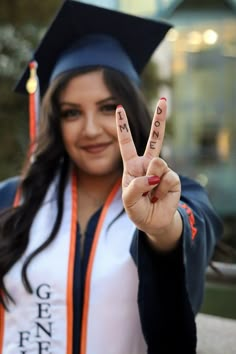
50 158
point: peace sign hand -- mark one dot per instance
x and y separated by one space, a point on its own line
151 190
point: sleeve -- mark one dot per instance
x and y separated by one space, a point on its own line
202 230
7 192
171 285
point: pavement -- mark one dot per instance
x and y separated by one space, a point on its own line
216 335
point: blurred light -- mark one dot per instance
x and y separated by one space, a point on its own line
167 3
223 144
172 35
4 60
166 151
202 179
194 38
210 37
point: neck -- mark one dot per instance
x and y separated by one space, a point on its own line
96 188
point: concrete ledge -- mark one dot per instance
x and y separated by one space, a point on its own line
216 335
222 273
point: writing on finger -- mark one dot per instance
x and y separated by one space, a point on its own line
122 125
156 132
125 139
156 136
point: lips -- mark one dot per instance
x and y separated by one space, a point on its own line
95 148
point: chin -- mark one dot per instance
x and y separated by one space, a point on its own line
101 171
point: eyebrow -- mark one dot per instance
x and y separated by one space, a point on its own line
105 100
110 98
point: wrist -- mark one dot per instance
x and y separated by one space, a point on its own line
167 238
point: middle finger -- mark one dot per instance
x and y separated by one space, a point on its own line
157 131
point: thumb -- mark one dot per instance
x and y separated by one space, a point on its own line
139 187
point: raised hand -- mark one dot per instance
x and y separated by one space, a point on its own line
151 190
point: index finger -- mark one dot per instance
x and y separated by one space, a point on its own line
157 132
127 147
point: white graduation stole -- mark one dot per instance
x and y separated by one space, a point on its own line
42 322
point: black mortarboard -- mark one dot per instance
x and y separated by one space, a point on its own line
84 35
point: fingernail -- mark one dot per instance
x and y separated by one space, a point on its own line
153 180
163 98
144 194
119 106
154 200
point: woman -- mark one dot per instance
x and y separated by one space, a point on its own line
90 264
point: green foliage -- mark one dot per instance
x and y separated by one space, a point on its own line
20 12
22 25
13 130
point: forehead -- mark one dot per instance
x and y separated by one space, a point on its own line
86 85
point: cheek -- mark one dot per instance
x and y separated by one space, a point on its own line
68 131
111 128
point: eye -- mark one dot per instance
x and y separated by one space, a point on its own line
108 108
70 114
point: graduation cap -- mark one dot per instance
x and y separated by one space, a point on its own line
83 35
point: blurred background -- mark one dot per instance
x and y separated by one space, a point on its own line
195 68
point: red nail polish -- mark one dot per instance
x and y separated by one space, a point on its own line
163 98
119 106
144 194
153 180
154 200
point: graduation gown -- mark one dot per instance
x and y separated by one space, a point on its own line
171 285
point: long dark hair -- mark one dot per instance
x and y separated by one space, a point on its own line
50 158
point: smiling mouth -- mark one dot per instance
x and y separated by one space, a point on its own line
95 149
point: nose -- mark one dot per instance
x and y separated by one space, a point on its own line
91 126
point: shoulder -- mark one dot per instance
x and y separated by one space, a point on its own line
8 189
193 190
189 182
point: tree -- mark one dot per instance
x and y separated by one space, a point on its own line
22 25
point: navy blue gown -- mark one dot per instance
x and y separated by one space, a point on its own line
171 285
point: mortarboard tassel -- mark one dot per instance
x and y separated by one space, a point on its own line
32 87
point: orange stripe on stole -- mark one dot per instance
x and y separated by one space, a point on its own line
90 267
71 261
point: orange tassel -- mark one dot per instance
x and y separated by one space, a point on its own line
32 89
